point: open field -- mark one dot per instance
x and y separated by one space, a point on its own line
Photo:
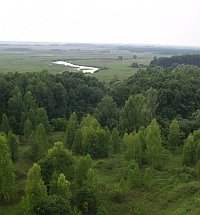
34 58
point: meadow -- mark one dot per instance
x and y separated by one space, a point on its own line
34 58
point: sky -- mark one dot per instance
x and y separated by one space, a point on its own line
162 22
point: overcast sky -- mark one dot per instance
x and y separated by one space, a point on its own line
167 22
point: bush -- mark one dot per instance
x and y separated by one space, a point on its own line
53 205
116 195
86 200
134 65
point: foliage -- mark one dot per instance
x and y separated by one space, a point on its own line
7 175
174 135
181 59
86 200
13 144
62 160
71 129
35 190
153 142
52 205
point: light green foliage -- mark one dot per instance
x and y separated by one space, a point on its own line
198 152
154 147
102 210
71 129
62 160
133 150
91 181
130 114
82 167
60 187
90 121
102 140
35 190
91 138
148 178
34 147
187 150
116 140
122 186
7 175
141 134
174 135
76 147
13 144
134 178
152 97
198 168
5 124
41 137
38 142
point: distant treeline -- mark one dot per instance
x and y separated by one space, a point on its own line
160 50
175 60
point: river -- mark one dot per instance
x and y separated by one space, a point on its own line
85 69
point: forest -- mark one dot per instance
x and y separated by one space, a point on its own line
72 144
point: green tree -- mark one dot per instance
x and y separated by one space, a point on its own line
133 149
134 65
187 150
76 146
5 124
29 101
60 96
198 168
16 107
53 205
41 117
28 128
61 187
134 177
90 121
174 135
71 129
198 152
34 147
152 97
35 190
116 140
14 145
153 144
38 142
42 138
130 114
7 175
62 160
107 112
148 178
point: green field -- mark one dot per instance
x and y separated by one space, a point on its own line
34 58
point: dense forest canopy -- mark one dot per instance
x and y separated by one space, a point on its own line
175 60
132 129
